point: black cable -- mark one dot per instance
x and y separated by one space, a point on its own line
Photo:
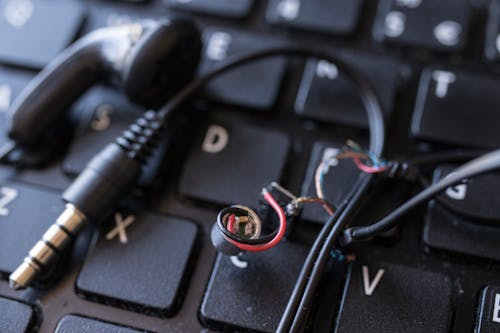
291 310
330 242
369 99
342 220
478 166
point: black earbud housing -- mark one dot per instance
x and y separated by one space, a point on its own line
150 60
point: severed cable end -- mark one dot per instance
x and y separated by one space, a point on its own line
47 250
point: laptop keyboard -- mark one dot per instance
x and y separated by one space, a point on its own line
152 268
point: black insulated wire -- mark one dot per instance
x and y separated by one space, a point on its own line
368 96
337 226
478 166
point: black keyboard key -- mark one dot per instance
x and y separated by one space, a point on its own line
488 320
492 43
34 32
250 292
254 85
329 16
25 214
328 95
15 317
457 107
476 199
464 220
232 164
391 298
338 182
225 8
445 230
435 25
72 323
119 269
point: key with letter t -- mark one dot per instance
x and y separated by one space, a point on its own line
448 104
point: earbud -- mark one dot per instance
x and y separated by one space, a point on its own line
150 60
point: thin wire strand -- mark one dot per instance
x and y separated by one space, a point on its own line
366 168
284 190
367 94
230 223
329 209
319 180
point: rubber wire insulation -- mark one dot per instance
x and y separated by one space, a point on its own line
480 165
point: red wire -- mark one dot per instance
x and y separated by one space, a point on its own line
366 168
230 223
273 242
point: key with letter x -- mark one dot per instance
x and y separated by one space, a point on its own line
159 246
121 224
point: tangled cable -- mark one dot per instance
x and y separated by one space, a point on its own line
293 318
242 226
301 297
